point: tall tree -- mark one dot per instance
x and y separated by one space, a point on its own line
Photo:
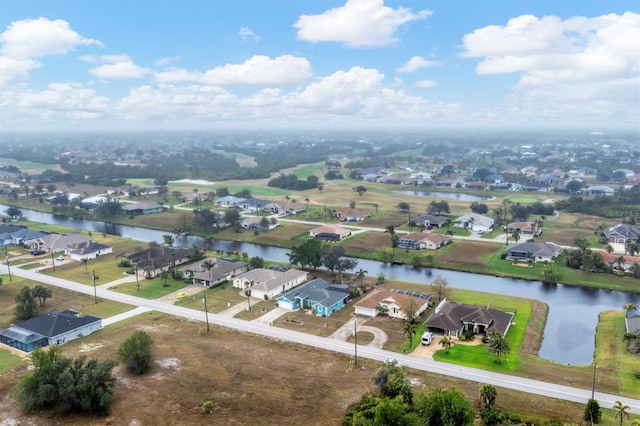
164 276
26 307
498 345
209 264
440 287
621 411
443 407
446 343
360 275
42 293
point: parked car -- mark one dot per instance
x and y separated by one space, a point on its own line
427 338
60 258
181 295
37 252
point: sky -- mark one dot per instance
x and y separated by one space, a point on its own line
319 65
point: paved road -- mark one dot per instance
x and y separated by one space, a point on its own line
510 382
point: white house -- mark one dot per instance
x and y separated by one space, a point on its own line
474 222
392 302
267 283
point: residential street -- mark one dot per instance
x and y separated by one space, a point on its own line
369 352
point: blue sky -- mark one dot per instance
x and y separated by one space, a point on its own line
293 64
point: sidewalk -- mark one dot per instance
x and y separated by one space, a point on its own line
124 315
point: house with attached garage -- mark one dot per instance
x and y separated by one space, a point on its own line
211 271
526 229
623 233
88 250
54 328
538 252
423 240
393 303
429 220
352 215
453 319
269 283
134 209
53 243
156 259
329 233
474 222
317 295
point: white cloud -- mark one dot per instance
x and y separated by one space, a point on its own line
246 34
261 70
416 63
584 68
177 75
25 40
359 23
33 38
426 83
118 67
162 62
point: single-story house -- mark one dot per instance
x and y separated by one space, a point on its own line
475 222
429 220
15 235
221 270
600 190
393 302
423 240
54 242
88 250
230 201
538 252
194 197
160 258
256 222
132 209
286 207
255 204
352 215
268 283
623 234
526 229
453 319
632 321
92 202
330 232
54 328
617 261
318 295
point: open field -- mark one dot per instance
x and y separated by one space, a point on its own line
297 386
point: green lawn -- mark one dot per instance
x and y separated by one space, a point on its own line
218 298
9 360
150 289
478 356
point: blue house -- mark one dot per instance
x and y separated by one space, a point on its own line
318 295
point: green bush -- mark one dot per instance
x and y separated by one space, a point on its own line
135 352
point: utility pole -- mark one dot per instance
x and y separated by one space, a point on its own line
53 262
593 386
355 340
6 254
206 313
95 290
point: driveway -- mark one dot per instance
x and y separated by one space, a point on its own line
271 316
344 332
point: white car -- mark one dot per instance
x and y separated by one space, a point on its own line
60 258
392 362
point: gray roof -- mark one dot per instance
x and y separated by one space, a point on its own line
319 292
453 315
51 324
269 279
431 218
221 268
535 249
624 230
632 321
87 247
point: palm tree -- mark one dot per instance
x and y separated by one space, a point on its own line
135 263
498 345
164 275
168 240
446 343
147 271
391 230
360 275
516 235
620 262
630 307
84 261
621 411
635 422
208 265
488 394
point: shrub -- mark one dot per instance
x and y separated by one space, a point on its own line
135 352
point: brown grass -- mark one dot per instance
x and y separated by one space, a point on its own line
368 243
250 379
467 253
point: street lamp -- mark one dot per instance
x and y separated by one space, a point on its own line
95 290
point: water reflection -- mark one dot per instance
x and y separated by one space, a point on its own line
573 311
451 195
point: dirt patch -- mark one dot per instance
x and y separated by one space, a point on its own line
88 347
533 333
468 253
369 243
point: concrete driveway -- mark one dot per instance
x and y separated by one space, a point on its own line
343 333
271 316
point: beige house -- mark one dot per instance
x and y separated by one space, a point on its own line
267 283
221 270
54 243
330 232
423 240
392 302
